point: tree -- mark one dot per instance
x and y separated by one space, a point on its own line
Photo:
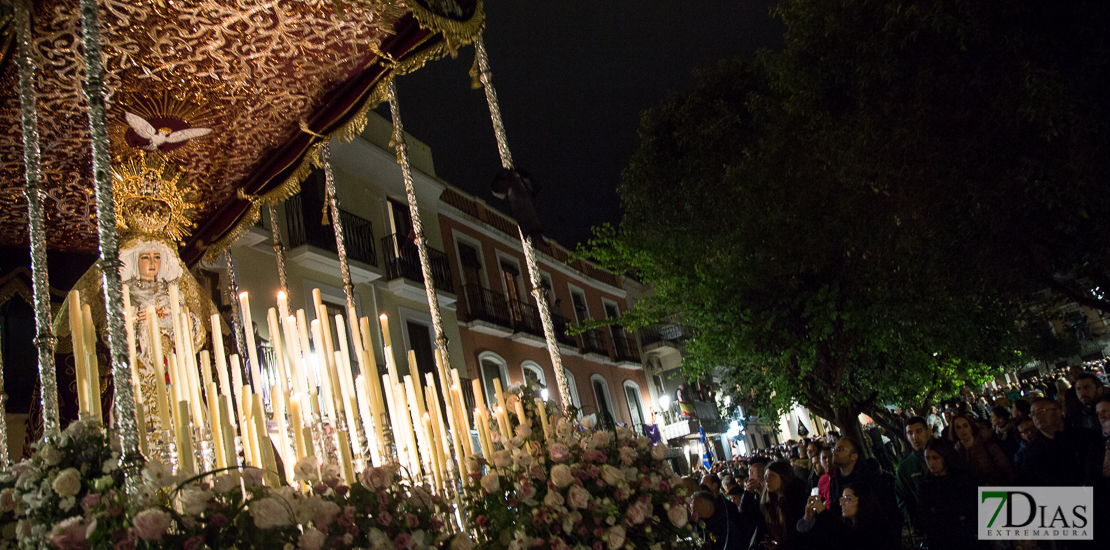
854 221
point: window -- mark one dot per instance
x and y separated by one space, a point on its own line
533 373
616 331
659 388
635 405
493 367
549 293
605 415
581 313
471 264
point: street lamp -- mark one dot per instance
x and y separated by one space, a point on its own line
544 394
665 406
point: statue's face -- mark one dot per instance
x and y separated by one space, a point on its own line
150 262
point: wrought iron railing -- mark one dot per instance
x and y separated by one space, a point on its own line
593 341
526 318
303 215
485 305
625 348
403 261
664 331
560 323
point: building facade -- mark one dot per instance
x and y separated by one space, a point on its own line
489 317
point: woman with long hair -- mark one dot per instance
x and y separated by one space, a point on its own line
860 525
987 461
946 500
781 506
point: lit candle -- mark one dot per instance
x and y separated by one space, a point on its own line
158 359
499 394
503 425
482 420
252 353
543 416
384 321
77 337
283 304
520 414
189 372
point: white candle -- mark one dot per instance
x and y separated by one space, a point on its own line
221 358
295 354
158 359
369 423
321 366
252 353
91 365
283 304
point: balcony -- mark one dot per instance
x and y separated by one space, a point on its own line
664 338
561 335
707 417
312 244
593 343
487 312
627 352
406 279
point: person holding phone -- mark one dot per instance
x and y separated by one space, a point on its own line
859 526
777 510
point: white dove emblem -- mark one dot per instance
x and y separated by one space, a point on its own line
161 136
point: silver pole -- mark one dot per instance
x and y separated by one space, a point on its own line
232 290
279 249
3 420
337 224
36 196
529 251
109 244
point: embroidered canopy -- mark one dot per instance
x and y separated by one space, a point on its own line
233 94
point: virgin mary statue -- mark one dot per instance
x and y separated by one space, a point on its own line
152 216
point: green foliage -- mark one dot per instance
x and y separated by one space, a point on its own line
853 221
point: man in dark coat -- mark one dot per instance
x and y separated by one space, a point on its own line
851 468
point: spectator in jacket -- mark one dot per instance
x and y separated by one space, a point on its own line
1005 431
850 468
990 465
1063 455
1088 390
912 468
946 508
720 523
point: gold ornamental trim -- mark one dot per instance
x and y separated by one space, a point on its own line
456 33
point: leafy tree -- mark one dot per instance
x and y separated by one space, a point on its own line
853 221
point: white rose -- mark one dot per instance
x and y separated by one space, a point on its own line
602 438
158 473
658 452
270 512
194 501
461 542
491 482
523 430
616 537
51 455
306 470
553 499
68 483
578 497
588 422
678 516
636 513
502 458
561 476
612 475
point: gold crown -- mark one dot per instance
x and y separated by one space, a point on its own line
148 199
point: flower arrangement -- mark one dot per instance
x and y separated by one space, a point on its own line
576 487
70 496
63 476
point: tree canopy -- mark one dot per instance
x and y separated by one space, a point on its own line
856 219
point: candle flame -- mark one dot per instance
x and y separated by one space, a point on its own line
281 295
383 317
243 295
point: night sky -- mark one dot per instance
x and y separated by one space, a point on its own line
572 79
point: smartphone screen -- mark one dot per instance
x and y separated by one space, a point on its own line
813 492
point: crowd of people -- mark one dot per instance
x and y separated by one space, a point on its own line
917 489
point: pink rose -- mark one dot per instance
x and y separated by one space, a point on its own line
578 497
311 539
151 524
612 475
558 452
561 476
70 534
628 455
